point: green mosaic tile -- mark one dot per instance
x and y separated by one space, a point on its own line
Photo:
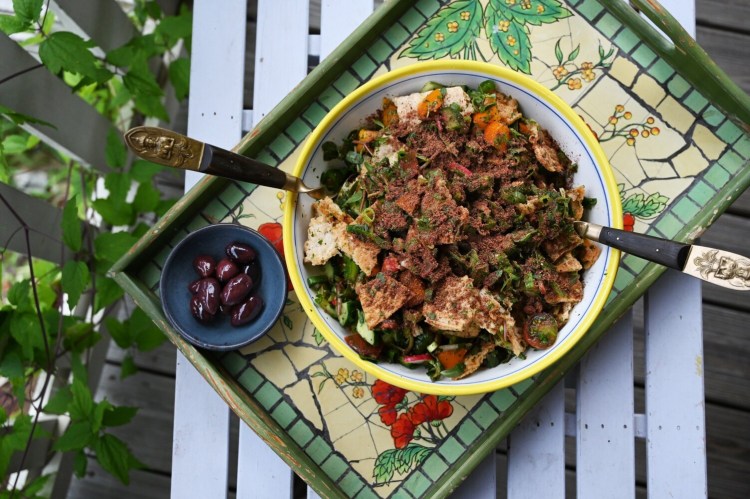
701 193
589 9
732 162
268 395
695 101
635 264
643 55
661 71
298 130
380 51
330 97
161 257
282 146
451 450
301 433
485 415
250 379
428 7
195 224
713 116
417 483
367 493
266 158
150 275
396 35
232 195
215 210
351 484
717 176
502 399
334 467
627 40
729 132
284 414
678 86
468 432
364 67
434 466
318 450
346 83
669 225
623 280
743 146
233 363
522 386
608 25
412 20
314 114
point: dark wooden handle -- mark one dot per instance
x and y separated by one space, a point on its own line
654 249
223 163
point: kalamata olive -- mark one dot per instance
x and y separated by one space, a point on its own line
204 265
225 309
236 289
253 270
246 311
208 293
226 269
198 309
193 286
240 253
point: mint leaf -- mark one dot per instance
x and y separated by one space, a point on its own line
115 153
71 225
28 10
76 436
65 51
75 278
179 75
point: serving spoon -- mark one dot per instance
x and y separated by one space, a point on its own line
720 267
175 150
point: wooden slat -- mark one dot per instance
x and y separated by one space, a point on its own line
45 239
676 445
261 472
482 483
87 16
42 95
536 450
605 457
338 19
732 14
729 50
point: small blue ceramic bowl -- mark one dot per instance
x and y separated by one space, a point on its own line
178 273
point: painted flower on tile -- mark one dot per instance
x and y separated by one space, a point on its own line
465 15
620 125
402 431
387 394
569 72
452 27
358 392
574 83
430 409
273 232
439 37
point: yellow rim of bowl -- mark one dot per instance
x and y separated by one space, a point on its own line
609 183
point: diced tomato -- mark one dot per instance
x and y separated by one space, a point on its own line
388 324
273 232
359 345
390 265
450 358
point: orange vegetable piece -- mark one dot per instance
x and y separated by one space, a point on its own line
484 118
450 358
524 128
390 113
365 137
430 104
498 135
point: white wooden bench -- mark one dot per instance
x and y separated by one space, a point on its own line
605 424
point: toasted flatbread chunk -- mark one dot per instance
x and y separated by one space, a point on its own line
381 297
454 306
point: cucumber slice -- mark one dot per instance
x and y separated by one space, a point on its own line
364 331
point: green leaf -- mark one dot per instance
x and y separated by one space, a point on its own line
574 54
59 402
510 41
20 118
11 25
318 336
75 278
146 91
410 457
4 166
115 153
65 51
98 414
173 28
110 246
179 75
558 52
77 436
11 366
114 213
118 416
143 171
128 367
82 405
385 465
71 225
118 331
80 463
147 198
16 143
146 334
28 10
534 12
452 30
25 329
107 292
14 440
20 295
113 455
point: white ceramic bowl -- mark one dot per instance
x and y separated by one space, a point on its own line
536 102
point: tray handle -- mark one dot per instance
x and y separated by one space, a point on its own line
685 55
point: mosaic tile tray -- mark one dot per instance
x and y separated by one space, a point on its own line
680 159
